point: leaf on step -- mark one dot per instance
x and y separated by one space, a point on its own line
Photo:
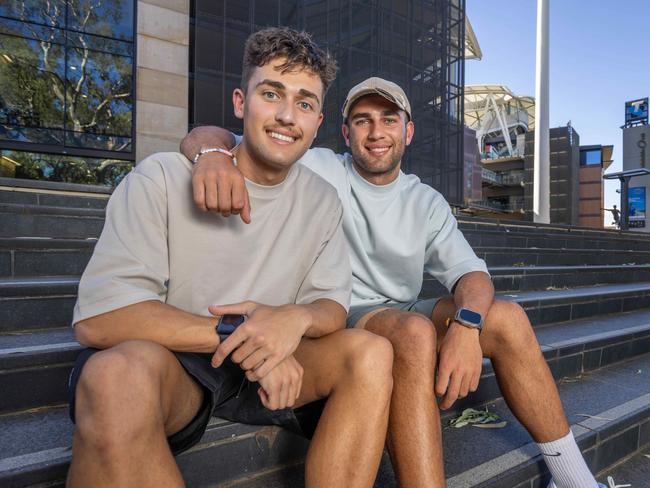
494 425
647 455
473 416
593 416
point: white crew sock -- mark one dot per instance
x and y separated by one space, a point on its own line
566 464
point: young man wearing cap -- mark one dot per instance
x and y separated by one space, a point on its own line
397 228
156 370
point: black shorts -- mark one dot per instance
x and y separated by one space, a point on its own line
227 394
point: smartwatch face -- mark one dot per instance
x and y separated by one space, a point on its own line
469 316
228 323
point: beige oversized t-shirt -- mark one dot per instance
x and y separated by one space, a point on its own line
156 245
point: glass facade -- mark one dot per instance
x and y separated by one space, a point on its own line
589 157
415 43
67 78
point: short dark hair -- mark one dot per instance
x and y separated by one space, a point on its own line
298 48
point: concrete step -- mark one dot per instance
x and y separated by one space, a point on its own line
519 256
22 257
45 302
43 359
36 303
633 471
478 223
609 410
528 278
542 240
54 198
49 221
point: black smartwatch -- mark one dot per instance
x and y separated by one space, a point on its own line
227 325
469 318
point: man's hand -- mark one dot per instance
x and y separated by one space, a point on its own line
218 186
459 366
269 336
280 388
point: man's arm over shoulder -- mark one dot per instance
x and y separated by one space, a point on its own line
448 254
123 289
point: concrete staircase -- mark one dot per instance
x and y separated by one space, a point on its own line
587 293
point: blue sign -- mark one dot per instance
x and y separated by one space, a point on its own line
636 110
636 203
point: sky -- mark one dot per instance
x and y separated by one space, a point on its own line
599 52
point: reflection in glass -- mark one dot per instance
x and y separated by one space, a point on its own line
113 18
50 13
66 71
62 168
31 76
99 95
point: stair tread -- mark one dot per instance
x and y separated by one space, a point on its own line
635 471
550 335
599 391
577 292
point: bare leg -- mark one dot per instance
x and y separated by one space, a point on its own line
352 369
129 399
521 371
414 437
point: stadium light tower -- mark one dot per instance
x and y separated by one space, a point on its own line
541 165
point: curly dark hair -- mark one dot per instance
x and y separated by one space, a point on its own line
298 48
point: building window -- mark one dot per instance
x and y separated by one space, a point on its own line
66 68
590 157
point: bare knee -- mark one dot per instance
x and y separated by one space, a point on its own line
414 339
368 360
118 394
508 326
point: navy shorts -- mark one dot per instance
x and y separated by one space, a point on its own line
227 394
424 307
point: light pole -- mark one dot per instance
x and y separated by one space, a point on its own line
541 164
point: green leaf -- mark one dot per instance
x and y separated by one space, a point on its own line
492 425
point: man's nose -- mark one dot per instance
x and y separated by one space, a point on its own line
376 132
285 114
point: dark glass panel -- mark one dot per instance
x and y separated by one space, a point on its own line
238 10
209 93
62 168
289 13
108 18
590 157
100 99
12 132
50 12
209 7
96 43
209 45
236 36
32 78
265 13
98 141
32 31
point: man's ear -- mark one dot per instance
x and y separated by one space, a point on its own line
410 129
345 130
238 99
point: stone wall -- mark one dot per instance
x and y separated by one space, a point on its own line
162 75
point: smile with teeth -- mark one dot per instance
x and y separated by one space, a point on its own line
379 150
281 137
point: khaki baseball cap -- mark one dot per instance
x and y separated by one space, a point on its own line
377 86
